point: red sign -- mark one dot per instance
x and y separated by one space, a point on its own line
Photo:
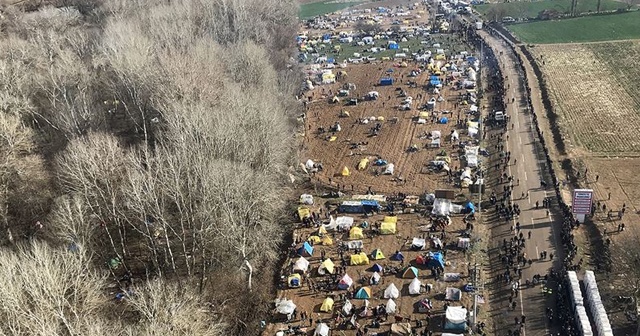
582 201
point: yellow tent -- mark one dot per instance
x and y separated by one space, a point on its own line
355 233
314 239
327 267
303 212
322 231
380 118
424 115
335 99
327 241
359 259
390 219
385 58
333 138
404 65
377 254
443 158
388 228
344 114
327 305
345 171
294 280
363 164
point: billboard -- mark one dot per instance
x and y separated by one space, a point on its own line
582 200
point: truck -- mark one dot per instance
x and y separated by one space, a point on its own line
499 116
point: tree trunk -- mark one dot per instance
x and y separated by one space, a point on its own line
250 269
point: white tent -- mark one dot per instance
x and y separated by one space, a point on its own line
301 265
285 307
344 222
345 282
322 330
414 286
456 315
455 136
418 243
391 292
441 207
306 199
389 170
390 307
355 244
375 278
309 164
346 308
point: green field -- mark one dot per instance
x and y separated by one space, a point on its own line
530 9
312 9
624 26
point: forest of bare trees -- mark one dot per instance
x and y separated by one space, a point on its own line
145 147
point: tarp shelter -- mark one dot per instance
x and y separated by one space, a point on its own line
351 207
344 222
370 205
306 199
386 81
453 294
414 286
346 307
362 165
321 330
322 230
398 256
306 250
375 278
391 307
388 228
303 212
421 260
363 293
345 171
464 242
294 280
355 233
470 208
380 162
327 267
418 244
359 259
434 80
355 244
401 329
327 241
389 170
377 254
394 46
377 268
285 307
441 207
327 305
391 292
301 265
314 240
410 272
345 282
436 260
456 319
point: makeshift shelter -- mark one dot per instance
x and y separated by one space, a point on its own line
386 81
327 241
355 233
351 207
418 244
354 244
301 265
389 169
322 231
435 260
345 282
321 330
375 278
370 205
303 212
285 307
347 307
410 272
441 207
456 319
388 228
391 307
464 243
344 222
362 165
294 280
453 294
421 260
306 199
314 240
306 250
327 305
398 256
470 208
363 293
377 254
327 267
359 259
414 286
391 292
345 171
377 268
401 329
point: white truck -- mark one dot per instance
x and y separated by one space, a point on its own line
499 116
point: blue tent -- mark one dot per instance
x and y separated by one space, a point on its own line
390 70
435 260
444 120
376 268
380 162
370 205
398 256
363 293
331 60
471 59
470 208
394 46
306 250
434 82
326 37
351 207
386 81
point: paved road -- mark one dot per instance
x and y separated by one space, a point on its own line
528 166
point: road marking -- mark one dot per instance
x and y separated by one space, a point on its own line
525 175
520 141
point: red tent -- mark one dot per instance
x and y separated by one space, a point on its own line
420 260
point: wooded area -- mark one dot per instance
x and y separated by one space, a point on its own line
145 148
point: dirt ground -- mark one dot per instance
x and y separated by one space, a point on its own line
393 140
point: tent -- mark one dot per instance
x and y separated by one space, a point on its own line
453 294
390 219
351 207
303 212
389 170
394 46
355 233
346 307
390 307
327 305
401 329
327 267
345 282
321 330
388 228
362 165
418 244
345 171
414 286
306 250
421 260
344 222
464 242
456 319
410 272
327 241
285 307
377 254
294 280
301 265
377 268
359 259
391 292
306 199
398 256
386 81
363 293
375 278
370 205
436 260
470 208
314 239
322 231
